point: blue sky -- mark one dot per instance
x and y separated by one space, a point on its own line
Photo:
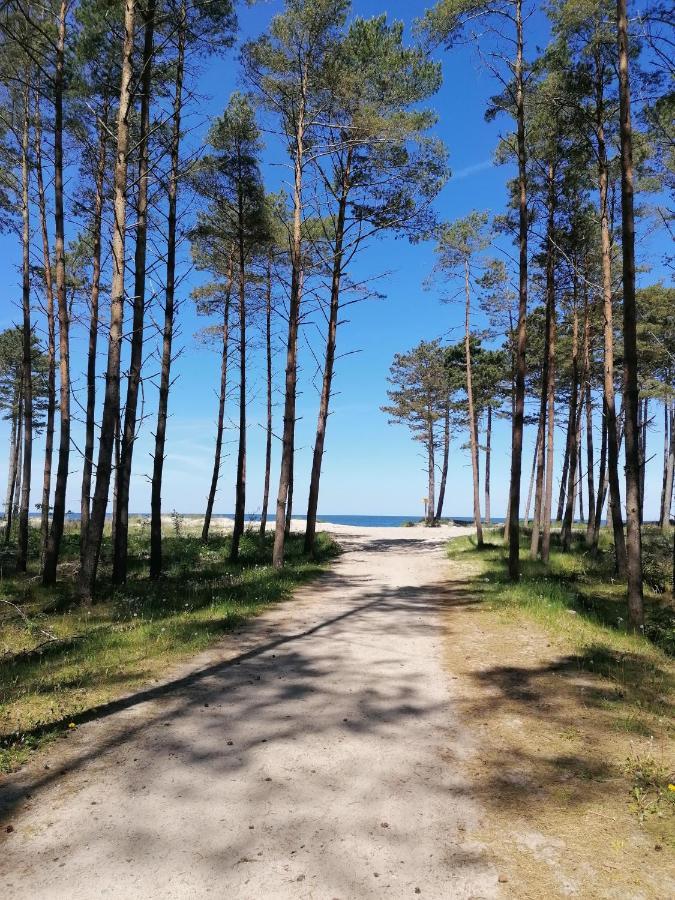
369 467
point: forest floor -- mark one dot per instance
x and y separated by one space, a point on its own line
393 730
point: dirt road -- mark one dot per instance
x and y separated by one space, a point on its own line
308 756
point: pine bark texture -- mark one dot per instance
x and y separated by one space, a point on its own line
128 433
169 303
51 556
111 401
513 524
631 393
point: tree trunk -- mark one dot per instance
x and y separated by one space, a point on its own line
550 369
669 469
15 440
90 412
240 491
488 452
268 434
521 362
612 442
26 363
116 485
535 456
51 338
666 447
446 461
167 334
590 529
319 441
51 556
111 401
289 495
221 408
602 482
431 473
291 346
644 422
473 431
633 532
575 420
15 492
541 451
582 516
507 516
128 435
566 464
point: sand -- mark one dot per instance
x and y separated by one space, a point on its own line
306 756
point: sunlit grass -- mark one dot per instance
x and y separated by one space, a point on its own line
581 604
62 660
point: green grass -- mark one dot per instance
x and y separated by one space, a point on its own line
581 583
582 607
577 599
59 661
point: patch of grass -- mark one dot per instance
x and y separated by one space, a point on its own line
582 607
58 661
651 788
579 583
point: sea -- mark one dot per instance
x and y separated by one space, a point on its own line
334 519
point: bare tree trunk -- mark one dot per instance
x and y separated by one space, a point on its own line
541 451
240 491
289 495
488 451
602 483
521 362
612 443
111 402
666 447
90 412
590 529
582 516
566 464
27 363
116 486
636 616
575 419
221 408
167 336
15 440
550 369
268 434
473 431
431 473
535 456
51 557
507 515
51 337
287 446
644 422
16 490
128 436
446 461
324 403
669 469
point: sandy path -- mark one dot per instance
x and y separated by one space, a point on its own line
306 757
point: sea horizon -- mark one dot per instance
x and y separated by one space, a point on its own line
354 519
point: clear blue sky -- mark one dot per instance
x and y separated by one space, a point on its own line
369 467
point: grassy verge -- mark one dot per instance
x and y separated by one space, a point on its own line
593 704
58 661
